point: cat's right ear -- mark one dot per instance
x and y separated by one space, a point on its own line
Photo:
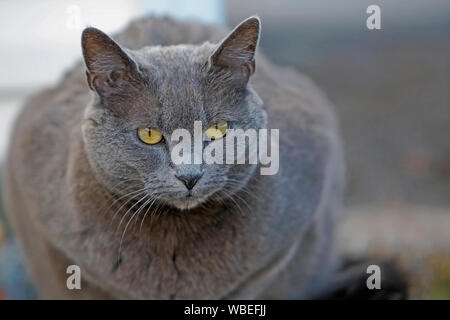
108 65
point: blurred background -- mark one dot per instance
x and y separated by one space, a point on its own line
391 88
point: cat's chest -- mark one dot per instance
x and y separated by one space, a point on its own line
174 260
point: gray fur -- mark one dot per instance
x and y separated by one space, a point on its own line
74 155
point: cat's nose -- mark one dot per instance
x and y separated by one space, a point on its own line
189 180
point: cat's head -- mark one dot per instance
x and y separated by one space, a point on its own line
142 96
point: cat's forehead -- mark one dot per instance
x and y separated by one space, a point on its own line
175 62
178 74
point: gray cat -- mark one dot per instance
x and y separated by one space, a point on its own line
90 180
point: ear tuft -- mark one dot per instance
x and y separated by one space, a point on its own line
237 50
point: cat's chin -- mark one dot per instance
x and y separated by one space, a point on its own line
187 203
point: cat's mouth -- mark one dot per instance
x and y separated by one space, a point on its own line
189 200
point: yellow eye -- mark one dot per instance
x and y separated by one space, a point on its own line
217 130
150 135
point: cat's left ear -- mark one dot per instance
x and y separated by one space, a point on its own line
237 51
108 65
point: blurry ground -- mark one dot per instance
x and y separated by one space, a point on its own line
416 237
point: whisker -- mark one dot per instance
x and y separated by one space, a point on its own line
139 193
131 219
134 205
105 207
146 212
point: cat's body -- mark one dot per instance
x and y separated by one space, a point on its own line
274 239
